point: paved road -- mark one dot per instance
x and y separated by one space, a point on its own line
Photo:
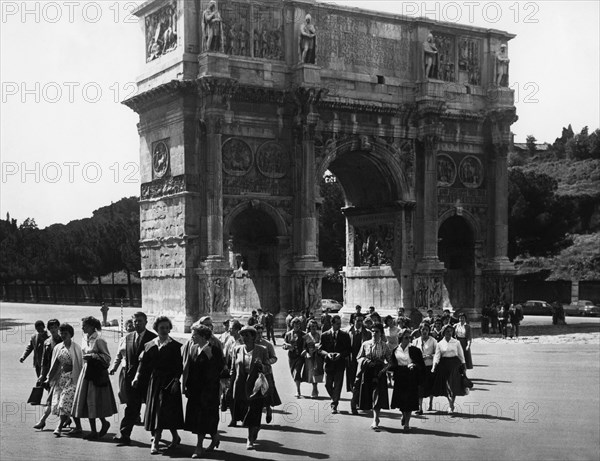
531 401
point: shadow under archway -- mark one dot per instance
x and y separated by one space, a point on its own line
456 249
253 233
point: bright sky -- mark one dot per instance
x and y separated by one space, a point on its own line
68 146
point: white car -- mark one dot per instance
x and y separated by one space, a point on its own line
331 304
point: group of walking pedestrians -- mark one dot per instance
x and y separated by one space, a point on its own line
233 371
372 358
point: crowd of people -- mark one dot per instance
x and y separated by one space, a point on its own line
234 371
374 355
503 318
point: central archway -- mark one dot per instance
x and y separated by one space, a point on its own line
375 193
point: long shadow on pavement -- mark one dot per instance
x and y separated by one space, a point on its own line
277 427
270 446
5 324
420 430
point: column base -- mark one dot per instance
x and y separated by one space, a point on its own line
214 278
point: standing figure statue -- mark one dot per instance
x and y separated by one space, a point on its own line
308 41
212 27
502 66
430 54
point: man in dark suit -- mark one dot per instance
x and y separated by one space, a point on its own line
358 335
335 348
36 345
134 345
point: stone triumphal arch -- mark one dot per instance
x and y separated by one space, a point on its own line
244 105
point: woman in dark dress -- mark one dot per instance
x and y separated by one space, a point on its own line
248 402
294 344
202 388
161 363
407 364
372 387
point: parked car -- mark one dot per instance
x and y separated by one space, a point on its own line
536 307
572 309
587 308
331 304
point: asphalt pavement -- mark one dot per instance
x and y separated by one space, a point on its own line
530 401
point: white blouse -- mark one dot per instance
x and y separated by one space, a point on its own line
450 348
428 349
402 356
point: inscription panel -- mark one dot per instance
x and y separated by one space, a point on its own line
362 45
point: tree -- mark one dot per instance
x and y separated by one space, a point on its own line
538 219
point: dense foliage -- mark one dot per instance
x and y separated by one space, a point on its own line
82 249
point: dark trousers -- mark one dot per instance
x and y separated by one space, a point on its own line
271 334
38 369
132 413
333 384
485 325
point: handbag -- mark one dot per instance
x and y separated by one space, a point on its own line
261 385
35 398
97 373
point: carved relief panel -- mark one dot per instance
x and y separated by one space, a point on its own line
374 245
429 291
237 157
161 31
161 158
446 170
469 61
445 67
252 29
253 165
470 172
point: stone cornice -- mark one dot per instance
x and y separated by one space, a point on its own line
174 88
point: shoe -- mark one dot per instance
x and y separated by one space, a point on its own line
355 412
269 415
214 444
298 396
175 443
197 454
104 429
91 436
122 441
419 412
374 426
249 445
334 410
41 425
406 429
154 450
314 395
57 432
75 432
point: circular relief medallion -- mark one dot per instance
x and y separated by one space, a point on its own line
446 170
160 159
470 172
271 160
237 157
